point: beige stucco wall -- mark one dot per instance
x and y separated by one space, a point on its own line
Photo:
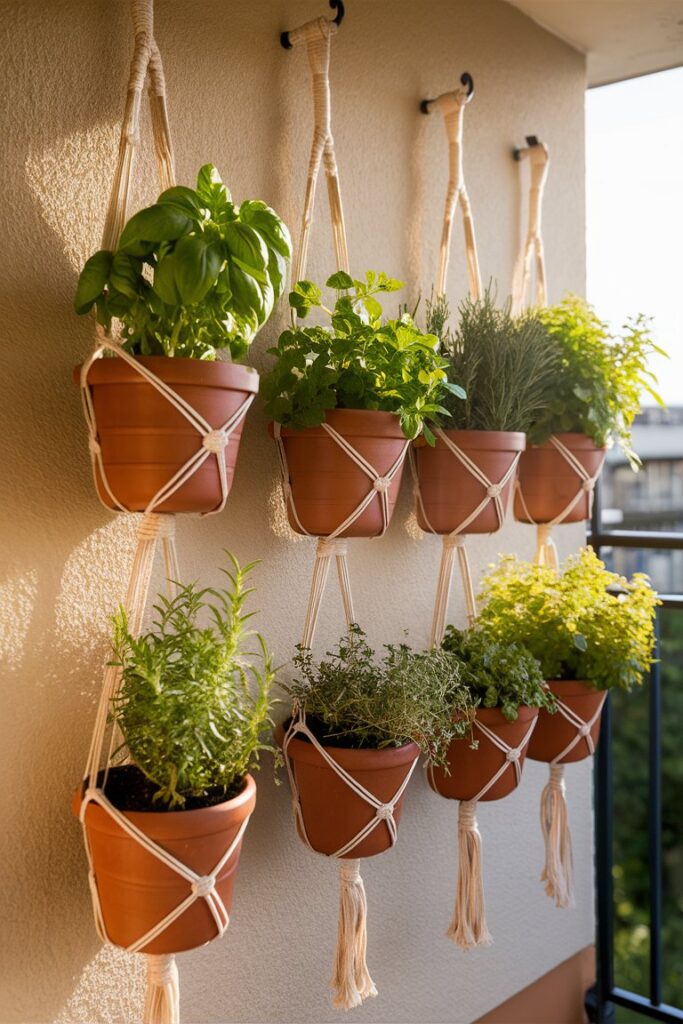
238 99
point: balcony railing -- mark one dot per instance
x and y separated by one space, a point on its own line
602 1000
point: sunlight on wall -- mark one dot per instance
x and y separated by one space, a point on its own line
110 990
17 600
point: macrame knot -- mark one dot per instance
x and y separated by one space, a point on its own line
161 969
493 491
381 484
327 547
204 886
584 730
588 485
467 816
94 446
384 812
155 525
557 777
349 871
215 441
513 755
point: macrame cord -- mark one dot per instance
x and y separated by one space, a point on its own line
546 551
351 979
558 870
455 540
468 927
539 161
452 106
162 993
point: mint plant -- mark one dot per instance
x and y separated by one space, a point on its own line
360 362
192 274
194 698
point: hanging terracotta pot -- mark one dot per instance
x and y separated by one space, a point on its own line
548 483
470 770
136 891
327 485
449 491
554 732
333 813
145 440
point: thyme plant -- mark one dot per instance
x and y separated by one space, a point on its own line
364 701
194 699
506 365
583 623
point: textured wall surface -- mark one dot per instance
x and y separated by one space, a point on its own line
238 99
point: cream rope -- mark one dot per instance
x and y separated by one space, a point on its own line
558 870
468 927
452 106
539 161
316 36
546 552
351 979
455 539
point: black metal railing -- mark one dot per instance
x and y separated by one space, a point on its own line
602 1000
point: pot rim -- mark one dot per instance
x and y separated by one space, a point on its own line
481 440
573 441
367 759
214 373
176 824
353 422
572 687
495 717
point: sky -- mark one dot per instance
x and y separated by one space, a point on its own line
634 185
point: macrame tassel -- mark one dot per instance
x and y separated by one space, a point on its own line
162 997
546 552
558 873
351 980
468 927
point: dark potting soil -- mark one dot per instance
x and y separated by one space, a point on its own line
335 736
129 789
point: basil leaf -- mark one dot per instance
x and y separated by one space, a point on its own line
92 280
196 262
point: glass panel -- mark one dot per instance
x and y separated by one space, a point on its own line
672 804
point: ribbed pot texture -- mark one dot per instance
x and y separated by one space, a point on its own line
553 732
327 485
333 814
548 482
136 890
470 769
449 491
145 440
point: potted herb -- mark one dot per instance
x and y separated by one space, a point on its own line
591 630
506 684
363 382
192 708
590 401
193 276
373 717
504 364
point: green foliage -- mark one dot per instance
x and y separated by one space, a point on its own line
360 363
600 376
504 363
584 623
406 695
498 675
194 700
192 274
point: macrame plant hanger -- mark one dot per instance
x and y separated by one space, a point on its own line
452 106
162 992
351 981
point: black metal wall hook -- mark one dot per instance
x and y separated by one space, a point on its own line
465 79
531 140
336 5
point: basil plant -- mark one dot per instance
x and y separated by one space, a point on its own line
192 274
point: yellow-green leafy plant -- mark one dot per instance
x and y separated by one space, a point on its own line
194 701
581 623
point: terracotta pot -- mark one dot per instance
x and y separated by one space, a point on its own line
327 485
145 440
449 491
470 769
548 483
136 890
333 814
553 732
